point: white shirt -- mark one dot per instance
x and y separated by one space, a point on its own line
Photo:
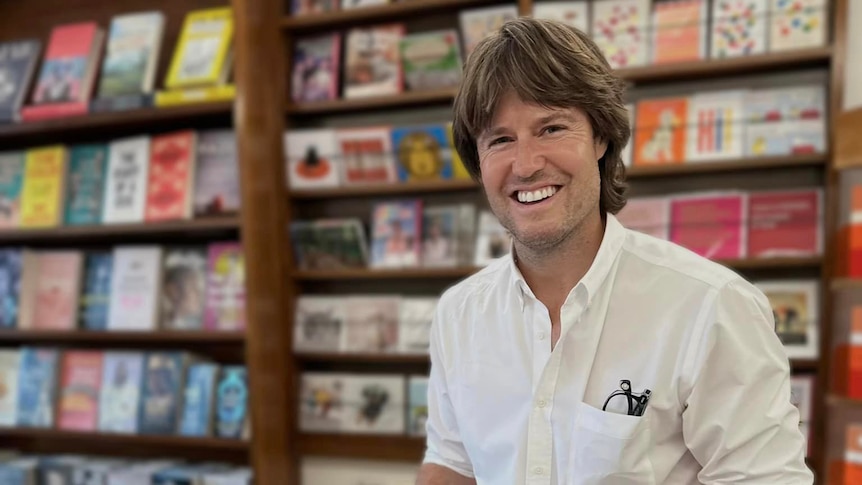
505 409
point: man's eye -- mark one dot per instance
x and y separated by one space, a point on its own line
554 129
497 141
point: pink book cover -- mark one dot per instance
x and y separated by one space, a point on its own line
785 223
649 215
225 306
711 225
80 384
57 290
679 31
172 165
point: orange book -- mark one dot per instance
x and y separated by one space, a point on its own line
57 290
679 31
852 474
80 383
172 163
660 133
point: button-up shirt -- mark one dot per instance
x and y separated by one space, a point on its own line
506 409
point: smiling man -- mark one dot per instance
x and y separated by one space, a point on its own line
592 354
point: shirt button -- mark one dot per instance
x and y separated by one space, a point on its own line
538 470
541 335
542 403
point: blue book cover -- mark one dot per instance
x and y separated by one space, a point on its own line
120 396
163 385
10 282
231 402
418 410
19 471
85 184
196 418
96 292
17 63
37 386
422 153
11 182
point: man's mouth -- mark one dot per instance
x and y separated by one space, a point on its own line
528 197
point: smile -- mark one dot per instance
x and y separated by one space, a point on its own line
533 196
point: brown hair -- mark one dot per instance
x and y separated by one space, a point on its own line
550 64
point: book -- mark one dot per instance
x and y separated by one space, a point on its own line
231 402
129 66
620 30
322 406
366 155
11 182
120 395
459 170
396 234
59 469
431 60
81 382
9 370
649 215
626 154
572 13
37 383
183 298
716 126
440 236
319 324
417 414
710 224
375 404
329 244
661 129
126 181
85 184
797 24
171 176
493 240
801 392
96 290
679 30
785 223
225 300
350 4
415 315
216 188
17 65
466 233
795 309
42 192
196 418
738 27
19 470
202 55
135 288
372 65
10 286
56 291
27 286
316 68
422 153
371 324
164 381
478 23
312 158
237 476
312 7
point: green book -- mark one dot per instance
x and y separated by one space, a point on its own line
85 184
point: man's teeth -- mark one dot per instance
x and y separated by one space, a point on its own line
536 195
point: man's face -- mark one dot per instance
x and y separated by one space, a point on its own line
530 152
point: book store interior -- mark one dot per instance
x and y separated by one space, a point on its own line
362 290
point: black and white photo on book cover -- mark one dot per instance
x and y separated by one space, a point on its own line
372 324
319 324
795 307
375 404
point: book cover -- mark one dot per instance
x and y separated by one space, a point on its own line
621 30
478 23
329 244
184 288
10 286
350 4
649 215
37 386
134 41
795 309
80 384
785 223
196 418
19 470
797 24
738 27
440 236
661 129
316 68
202 53
371 324
711 224
59 469
459 170
42 193
319 324
126 182
466 233
68 68
161 393
366 155
9 362
27 286
96 290
135 288
171 176
217 175
312 158
493 240
322 406
801 392
716 126
396 234
375 404
679 30
431 60
572 13
627 153
417 414
422 153
313 7
225 300
11 182
57 290
120 395
231 402
373 61
415 315
17 64
85 184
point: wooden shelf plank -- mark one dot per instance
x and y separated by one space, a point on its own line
126 439
373 447
804 364
735 165
773 263
344 18
409 98
372 190
362 358
109 231
84 336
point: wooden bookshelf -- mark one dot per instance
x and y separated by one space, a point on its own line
394 11
773 263
117 337
804 364
167 441
374 190
735 165
371 447
344 357
402 100
201 226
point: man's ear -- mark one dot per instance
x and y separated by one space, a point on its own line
600 146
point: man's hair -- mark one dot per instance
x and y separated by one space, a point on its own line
549 64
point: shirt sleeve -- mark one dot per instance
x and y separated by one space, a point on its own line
444 446
738 420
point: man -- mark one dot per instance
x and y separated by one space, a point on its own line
592 354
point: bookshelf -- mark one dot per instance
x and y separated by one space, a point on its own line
126 338
390 448
201 227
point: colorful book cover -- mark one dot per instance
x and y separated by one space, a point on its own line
396 234
130 61
459 170
37 385
196 418
126 181
312 7
319 324
231 402
11 182
69 66
373 61
80 384
711 225
171 176
161 395
414 323
661 129
572 13
19 470
328 244
312 158
716 126
225 308
120 395
372 324
85 184
135 282
42 194
202 53
27 286
9 370
184 288
785 223
795 309
431 60
621 30
366 155
18 61
797 24
10 286
679 30
738 27
375 404
493 240
478 23
322 402
418 405
649 215
96 290
57 290
440 236
422 153
217 176
316 68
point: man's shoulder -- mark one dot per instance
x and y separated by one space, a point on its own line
476 285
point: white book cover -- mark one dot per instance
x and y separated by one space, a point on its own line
238 476
126 184
478 23
120 393
319 324
340 471
366 155
766 140
372 324
797 24
621 30
9 360
575 14
322 402
375 404
372 63
414 324
135 284
626 153
351 4
440 236
134 42
417 407
312 158
716 126
493 240
795 307
801 392
466 233
738 27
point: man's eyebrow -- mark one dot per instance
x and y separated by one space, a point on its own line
558 116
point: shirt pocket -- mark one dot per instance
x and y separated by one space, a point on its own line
609 448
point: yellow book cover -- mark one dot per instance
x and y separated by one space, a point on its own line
212 94
42 194
202 56
458 169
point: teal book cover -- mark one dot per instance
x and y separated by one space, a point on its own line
86 182
232 400
196 417
11 181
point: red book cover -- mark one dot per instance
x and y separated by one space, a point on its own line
57 290
785 223
171 174
80 383
711 225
